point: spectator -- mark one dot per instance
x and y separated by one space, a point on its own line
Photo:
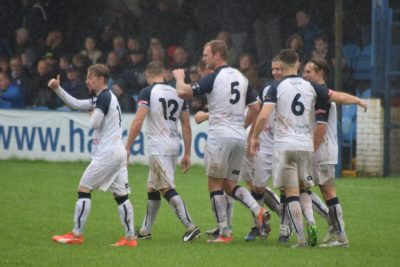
126 102
119 48
248 68
180 59
38 94
154 43
235 17
296 43
349 84
320 47
194 75
233 57
19 76
74 84
133 43
133 77
158 54
307 30
52 64
11 95
55 43
267 31
90 50
4 65
114 64
63 64
82 62
123 21
24 46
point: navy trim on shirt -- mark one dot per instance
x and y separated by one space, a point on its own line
206 84
103 101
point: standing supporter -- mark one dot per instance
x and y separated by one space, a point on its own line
163 108
108 168
228 94
307 30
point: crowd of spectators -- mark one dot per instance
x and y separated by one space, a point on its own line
40 39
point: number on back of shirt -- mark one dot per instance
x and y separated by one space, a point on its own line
297 107
170 107
235 93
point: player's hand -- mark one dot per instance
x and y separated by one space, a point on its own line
200 116
363 104
185 163
254 146
54 83
179 74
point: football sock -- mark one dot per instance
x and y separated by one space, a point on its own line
229 208
336 214
125 210
306 206
153 205
243 195
271 200
176 203
82 210
295 215
260 200
320 207
284 229
218 206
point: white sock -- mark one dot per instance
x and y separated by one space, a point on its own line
271 200
295 215
306 206
126 214
229 208
153 205
320 207
82 210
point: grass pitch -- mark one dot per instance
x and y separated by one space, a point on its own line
37 201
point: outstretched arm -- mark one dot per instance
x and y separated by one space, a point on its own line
72 102
344 98
184 90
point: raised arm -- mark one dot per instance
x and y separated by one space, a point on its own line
187 140
72 102
184 90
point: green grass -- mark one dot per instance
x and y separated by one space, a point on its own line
37 201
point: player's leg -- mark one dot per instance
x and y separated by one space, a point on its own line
336 215
153 205
215 163
165 166
285 225
121 190
240 193
91 179
304 163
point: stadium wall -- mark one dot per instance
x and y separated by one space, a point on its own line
65 136
370 136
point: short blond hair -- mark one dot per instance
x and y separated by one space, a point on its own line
218 46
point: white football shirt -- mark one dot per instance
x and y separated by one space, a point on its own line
165 109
